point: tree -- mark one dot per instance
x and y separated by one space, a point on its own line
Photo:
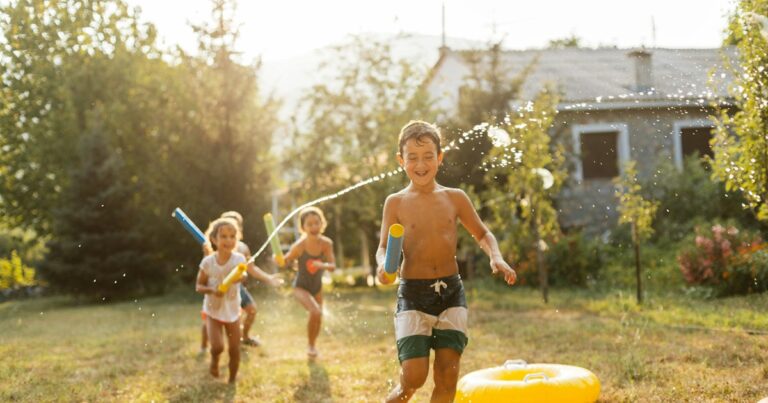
636 211
572 41
97 250
740 143
533 171
486 97
353 119
59 59
214 152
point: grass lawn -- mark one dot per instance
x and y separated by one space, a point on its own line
672 349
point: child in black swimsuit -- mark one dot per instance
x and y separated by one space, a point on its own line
314 253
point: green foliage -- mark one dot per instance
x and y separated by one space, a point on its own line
572 41
636 211
521 209
97 250
485 97
353 121
215 151
740 143
633 208
59 59
191 131
677 190
14 273
575 260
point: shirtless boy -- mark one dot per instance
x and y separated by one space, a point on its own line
431 306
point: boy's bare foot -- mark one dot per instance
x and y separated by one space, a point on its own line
312 352
214 370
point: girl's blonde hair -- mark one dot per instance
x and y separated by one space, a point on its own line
308 211
238 219
213 229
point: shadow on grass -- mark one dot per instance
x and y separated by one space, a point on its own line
316 388
214 391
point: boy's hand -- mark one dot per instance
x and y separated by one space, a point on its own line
499 265
382 275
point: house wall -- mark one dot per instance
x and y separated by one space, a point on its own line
591 204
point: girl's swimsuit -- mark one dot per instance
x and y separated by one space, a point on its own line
309 277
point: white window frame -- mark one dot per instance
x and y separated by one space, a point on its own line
677 136
622 146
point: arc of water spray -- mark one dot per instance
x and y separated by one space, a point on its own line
482 128
318 201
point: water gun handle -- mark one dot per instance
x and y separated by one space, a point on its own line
189 225
394 250
233 276
277 251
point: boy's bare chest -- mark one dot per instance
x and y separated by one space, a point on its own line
427 213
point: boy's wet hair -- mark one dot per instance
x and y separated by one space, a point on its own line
216 225
419 130
312 211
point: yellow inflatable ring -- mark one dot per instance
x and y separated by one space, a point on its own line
518 381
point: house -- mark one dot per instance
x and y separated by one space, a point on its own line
643 104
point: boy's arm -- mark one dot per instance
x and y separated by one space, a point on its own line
388 217
484 237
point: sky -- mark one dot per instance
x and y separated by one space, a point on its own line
279 30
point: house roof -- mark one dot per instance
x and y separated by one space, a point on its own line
608 74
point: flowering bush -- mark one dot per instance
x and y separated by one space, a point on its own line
732 261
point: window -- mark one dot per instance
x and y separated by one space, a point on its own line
598 155
601 149
691 136
696 140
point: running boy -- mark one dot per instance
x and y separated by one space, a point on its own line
431 307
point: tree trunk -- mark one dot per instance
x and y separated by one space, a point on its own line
339 241
541 268
636 240
365 255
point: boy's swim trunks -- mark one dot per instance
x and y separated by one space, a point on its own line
431 314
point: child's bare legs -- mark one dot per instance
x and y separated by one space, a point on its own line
204 338
215 330
313 305
413 374
250 317
446 374
233 345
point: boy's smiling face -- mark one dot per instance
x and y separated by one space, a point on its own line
420 160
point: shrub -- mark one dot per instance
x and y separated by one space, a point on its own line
15 276
677 190
729 260
574 260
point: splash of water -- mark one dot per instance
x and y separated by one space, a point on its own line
319 200
484 129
